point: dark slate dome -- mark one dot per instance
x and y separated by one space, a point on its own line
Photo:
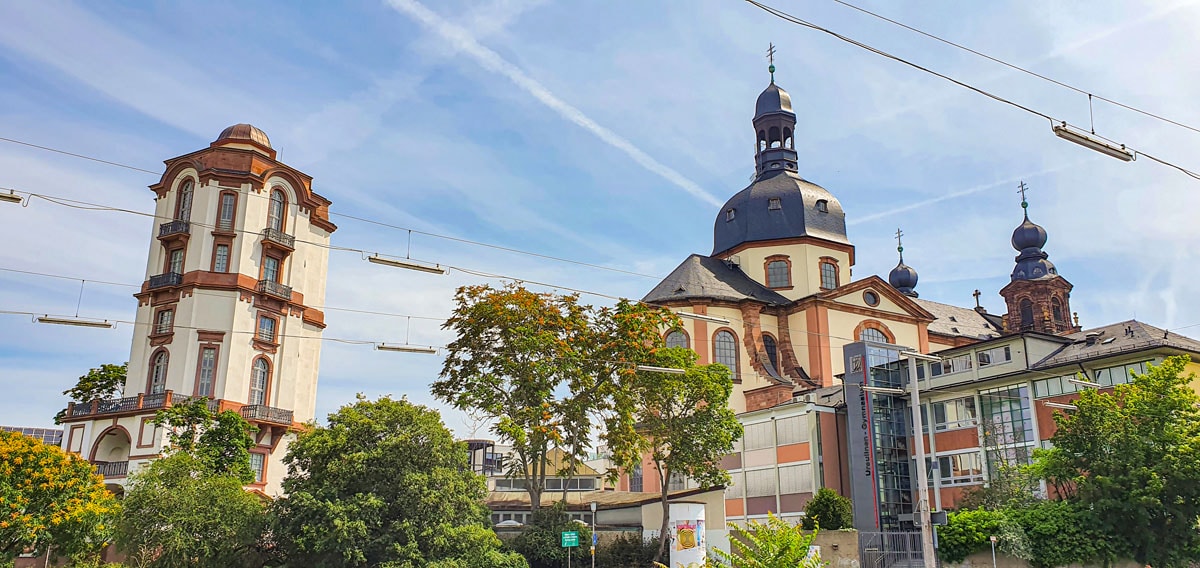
1032 262
781 206
904 279
245 132
1028 235
773 99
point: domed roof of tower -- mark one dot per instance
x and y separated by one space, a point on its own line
773 99
1028 235
1032 262
244 132
779 207
904 277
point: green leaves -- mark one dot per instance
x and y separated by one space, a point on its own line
773 544
828 511
220 441
100 383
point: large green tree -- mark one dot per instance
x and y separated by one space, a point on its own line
682 421
99 383
385 484
541 367
220 440
50 499
1133 457
178 512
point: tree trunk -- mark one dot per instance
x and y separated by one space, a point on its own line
664 534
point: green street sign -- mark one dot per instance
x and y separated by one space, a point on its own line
570 539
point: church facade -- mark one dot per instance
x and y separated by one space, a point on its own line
776 301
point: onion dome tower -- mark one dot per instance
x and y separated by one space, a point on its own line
1038 297
904 277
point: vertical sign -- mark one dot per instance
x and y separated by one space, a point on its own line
686 523
860 438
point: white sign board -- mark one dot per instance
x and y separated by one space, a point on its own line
687 535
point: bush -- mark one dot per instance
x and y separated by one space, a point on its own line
773 544
968 532
1061 533
541 543
627 551
829 511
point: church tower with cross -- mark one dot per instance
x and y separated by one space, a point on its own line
1038 298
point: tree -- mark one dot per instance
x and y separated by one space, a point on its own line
384 484
97 384
1011 482
682 421
541 542
969 531
50 498
221 441
178 512
773 544
1133 457
541 367
828 511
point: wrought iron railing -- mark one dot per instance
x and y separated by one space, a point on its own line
279 237
263 413
112 469
166 279
173 228
276 289
115 405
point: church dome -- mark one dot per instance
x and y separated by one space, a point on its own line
244 132
782 206
904 279
773 99
1028 235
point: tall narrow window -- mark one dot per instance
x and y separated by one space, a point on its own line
677 339
221 260
163 323
184 211
158 373
270 269
228 208
635 479
829 275
176 263
1026 313
266 328
258 463
725 351
208 368
1056 308
278 206
772 350
778 275
258 382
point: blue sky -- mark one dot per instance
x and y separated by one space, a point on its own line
606 132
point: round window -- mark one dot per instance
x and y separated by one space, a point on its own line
871 298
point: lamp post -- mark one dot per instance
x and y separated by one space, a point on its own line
594 539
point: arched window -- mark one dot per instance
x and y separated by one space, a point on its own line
872 334
771 349
787 138
158 372
779 274
183 212
677 339
259 378
725 351
1056 308
1026 313
773 137
277 210
829 275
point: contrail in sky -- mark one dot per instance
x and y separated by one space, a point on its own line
962 193
462 40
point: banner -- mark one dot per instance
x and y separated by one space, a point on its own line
686 524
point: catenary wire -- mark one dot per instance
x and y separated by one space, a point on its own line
1017 67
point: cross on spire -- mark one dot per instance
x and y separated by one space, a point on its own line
899 244
1022 188
771 60
977 294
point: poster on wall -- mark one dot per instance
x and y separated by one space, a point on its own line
686 524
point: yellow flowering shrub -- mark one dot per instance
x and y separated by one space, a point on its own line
50 497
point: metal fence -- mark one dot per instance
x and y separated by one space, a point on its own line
890 550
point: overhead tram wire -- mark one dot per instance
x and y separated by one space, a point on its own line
1017 67
366 220
1053 121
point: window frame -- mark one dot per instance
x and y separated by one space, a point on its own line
158 329
221 226
262 270
266 383
716 357
771 350
216 266
212 380
183 203
281 220
170 264
258 328
163 355
832 264
687 341
260 474
776 260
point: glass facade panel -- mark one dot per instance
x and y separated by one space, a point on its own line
889 424
1007 421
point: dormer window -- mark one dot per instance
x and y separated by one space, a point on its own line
730 214
774 204
822 205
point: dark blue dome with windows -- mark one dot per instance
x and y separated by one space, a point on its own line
1032 262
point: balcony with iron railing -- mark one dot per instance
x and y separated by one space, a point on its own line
273 236
272 288
116 405
263 413
112 469
166 279
173 228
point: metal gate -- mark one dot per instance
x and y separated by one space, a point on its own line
890 550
